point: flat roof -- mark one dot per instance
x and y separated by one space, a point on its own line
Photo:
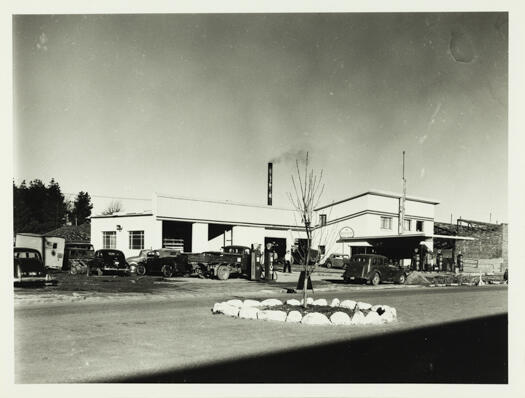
382 193
120 214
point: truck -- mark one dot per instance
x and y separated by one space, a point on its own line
232 260
51 248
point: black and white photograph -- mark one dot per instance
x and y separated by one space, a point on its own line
285 198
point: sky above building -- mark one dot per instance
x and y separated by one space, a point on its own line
196 105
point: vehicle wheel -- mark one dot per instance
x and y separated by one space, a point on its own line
100 272
141 270
375 279
223 272
167 271
402 279
328 264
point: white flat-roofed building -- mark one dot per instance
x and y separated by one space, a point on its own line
371 219
199 225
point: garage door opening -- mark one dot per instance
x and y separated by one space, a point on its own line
222 233
177 234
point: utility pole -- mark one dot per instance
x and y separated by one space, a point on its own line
401 226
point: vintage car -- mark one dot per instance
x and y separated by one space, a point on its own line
108 261
373 269
76 257
134 261
336 260
162 261
29 268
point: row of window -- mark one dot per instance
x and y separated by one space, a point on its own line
136 240
386 223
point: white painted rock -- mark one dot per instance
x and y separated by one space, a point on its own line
294 317
230 310
376 307
251 303
217 308
358 318
309 301
391 309
363 306
348 304
234 303
320 302
335 303
340 318
248 312
271 302
388 316
315 318
373 318
293 302
270 315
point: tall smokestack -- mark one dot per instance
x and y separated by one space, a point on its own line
270 183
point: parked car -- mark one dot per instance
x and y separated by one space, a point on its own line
108 261
374 269
336 260
77 256
29 268
162 261
134 261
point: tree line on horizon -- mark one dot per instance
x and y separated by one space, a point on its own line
38 208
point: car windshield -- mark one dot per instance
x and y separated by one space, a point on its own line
28 254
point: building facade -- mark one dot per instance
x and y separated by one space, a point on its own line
353 225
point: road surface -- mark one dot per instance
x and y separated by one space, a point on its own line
180 340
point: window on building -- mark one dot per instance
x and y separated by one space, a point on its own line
136 240
408 225
322 250
109 240
386 222
322 219
419 226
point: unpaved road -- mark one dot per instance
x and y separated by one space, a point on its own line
137 340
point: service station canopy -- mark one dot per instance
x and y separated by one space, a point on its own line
399 246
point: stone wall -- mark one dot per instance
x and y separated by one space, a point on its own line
488 253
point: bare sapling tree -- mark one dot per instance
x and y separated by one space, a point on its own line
308 188
114 207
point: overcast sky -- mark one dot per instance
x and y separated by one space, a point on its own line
196 105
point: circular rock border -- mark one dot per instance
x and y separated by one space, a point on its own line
346 312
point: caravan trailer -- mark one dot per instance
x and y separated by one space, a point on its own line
51 248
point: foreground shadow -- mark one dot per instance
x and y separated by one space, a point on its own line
473 351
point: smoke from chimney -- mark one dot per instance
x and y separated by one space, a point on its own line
270 183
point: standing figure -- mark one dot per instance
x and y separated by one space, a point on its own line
460 262
287 261
415 260
439 261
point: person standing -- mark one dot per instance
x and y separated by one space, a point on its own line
415 260
439 261
287 261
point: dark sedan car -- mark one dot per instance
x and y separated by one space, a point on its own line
374 269
162 261
108 261
29 268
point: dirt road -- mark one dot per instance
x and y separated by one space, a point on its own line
140 340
